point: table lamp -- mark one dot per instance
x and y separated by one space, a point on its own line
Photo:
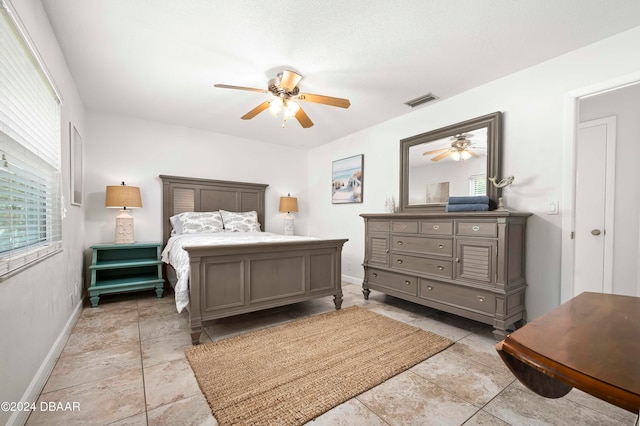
123 197
288 204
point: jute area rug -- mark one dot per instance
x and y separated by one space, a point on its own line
291 373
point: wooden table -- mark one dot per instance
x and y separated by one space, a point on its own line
591 342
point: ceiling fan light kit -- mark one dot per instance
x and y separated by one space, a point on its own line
459 150
285 89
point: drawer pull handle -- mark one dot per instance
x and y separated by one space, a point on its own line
404 226
407 282
375 275
457 260
440 267
399 243
429 288
476 228
400 261
481 299
440 246
436 227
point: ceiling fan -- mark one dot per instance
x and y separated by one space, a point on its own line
460 149
284 88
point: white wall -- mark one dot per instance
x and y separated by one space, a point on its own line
36 305
137 151
625 105
533 129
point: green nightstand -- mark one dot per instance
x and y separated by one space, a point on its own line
116 268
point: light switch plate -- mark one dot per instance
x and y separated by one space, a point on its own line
553 207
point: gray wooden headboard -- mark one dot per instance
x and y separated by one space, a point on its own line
185 194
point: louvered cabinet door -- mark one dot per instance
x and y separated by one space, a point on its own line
377 250
476 260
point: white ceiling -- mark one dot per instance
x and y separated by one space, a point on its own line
158 60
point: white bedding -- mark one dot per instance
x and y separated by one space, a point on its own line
177 257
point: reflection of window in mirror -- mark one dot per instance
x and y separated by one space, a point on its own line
478 185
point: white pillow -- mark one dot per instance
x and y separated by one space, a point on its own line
240 221
198 222
176 227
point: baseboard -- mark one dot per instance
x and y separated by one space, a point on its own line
351 280
34 389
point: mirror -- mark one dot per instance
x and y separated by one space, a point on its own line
452 161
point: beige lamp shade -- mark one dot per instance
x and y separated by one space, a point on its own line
288 204
123 197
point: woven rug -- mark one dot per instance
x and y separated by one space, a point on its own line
291 373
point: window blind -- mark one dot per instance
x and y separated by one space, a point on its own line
478 185
30 189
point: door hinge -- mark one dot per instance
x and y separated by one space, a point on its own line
572 235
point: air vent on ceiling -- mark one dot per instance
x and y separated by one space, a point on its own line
421 100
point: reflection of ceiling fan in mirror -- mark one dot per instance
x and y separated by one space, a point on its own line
285 89
461 148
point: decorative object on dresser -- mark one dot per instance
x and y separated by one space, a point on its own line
231 279
123 197
470 264
346 180
117 268
500 185
288 205
426 185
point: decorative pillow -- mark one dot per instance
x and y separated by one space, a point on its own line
240 222
198 222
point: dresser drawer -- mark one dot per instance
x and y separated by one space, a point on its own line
378 225
458 296
398 282
405 226
422 265
440 227
437 246
477 228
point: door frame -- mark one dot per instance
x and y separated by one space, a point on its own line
571 115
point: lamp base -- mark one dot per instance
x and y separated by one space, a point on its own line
288 225
124 228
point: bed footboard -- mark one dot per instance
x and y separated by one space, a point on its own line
235 279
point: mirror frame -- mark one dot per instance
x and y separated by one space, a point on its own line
493 123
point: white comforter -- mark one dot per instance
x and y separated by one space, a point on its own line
177 257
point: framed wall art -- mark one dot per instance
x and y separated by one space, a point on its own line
347 177
76 166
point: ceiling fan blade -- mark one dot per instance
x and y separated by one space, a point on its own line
303 119
435 151
473 154
250 89
257 110
289 80
326 100
441 156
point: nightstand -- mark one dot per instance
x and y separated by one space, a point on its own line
117 268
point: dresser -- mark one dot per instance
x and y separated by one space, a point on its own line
117 268
468 264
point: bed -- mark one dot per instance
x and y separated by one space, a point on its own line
241 275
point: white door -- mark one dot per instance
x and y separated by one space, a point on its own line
594 207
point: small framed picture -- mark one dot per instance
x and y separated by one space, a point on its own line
76 166
347 178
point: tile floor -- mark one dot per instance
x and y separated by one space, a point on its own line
124 364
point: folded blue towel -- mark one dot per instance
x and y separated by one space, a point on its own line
475 199
467 207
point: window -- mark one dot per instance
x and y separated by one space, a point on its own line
478 185
30 190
